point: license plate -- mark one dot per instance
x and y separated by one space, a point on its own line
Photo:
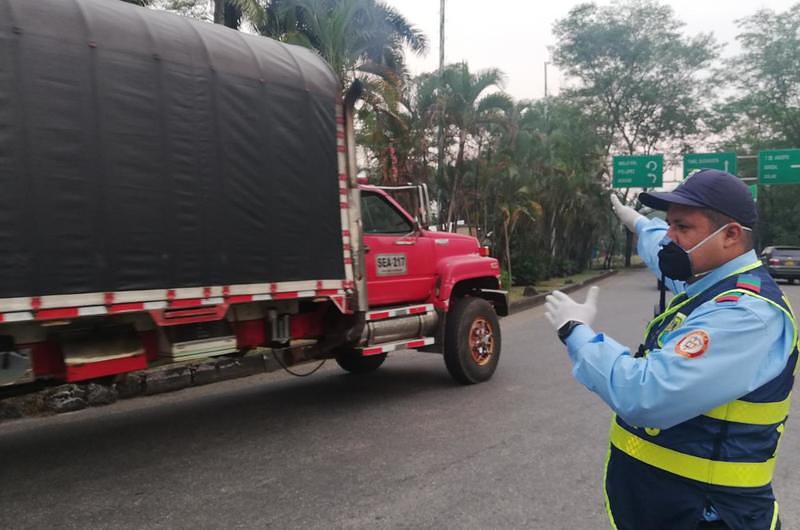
390 264
789 263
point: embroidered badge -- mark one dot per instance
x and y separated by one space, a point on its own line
693 345
750 282
731 297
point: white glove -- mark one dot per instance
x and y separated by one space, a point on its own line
627 215
560 308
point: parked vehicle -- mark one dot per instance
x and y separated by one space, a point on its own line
782 262
175 190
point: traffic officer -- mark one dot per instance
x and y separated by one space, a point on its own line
700 407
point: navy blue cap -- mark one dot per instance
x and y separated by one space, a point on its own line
709 188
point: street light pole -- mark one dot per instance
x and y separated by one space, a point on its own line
546 99
441 102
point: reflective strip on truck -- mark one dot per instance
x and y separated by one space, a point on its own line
59 307
400 312
393 346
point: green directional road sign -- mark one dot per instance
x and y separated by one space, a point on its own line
722 161
779 166
638 171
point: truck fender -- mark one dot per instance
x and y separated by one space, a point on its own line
461 275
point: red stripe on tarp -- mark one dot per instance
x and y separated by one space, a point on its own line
348 261
371 351
193 302
122 308
344 206
379 315
206 292
327 292
340 148
340 120
108 298
417 310
345 233
342 177
48 314
2 317
285 296
240 298
340 135
416 343
36 303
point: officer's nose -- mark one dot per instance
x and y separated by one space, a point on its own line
671 234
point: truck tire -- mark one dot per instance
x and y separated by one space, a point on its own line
472 341
355 363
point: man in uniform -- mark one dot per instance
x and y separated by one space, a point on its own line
700 407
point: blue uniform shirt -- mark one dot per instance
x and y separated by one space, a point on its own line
749 344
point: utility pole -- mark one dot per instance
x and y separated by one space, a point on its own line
545 93
441 102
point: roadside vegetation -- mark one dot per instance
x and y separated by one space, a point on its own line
531 178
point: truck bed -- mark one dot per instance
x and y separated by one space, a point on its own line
146 151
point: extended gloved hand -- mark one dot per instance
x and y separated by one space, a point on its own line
560 308
627 215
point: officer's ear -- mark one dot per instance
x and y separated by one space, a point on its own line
734 234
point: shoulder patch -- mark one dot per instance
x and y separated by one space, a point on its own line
729 297
751 282
693 345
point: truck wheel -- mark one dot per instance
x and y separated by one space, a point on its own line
355 363
472 341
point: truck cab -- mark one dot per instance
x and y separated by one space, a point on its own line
437 287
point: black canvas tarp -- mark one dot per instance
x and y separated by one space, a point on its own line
144 150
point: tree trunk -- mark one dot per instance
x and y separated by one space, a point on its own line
628 247
508 253
451 211
219 11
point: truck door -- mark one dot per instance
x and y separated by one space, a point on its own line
400 261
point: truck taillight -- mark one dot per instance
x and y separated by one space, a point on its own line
774 261
484 251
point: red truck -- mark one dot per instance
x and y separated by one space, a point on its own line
173 190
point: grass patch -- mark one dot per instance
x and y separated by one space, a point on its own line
552 284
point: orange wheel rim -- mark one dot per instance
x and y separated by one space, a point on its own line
481 341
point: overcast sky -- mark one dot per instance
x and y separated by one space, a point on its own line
514 35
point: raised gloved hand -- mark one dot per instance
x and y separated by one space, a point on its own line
560 308
627 215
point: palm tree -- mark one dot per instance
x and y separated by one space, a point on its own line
231 13
468 106
515 205
359 38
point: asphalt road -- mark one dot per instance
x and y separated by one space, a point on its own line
401 448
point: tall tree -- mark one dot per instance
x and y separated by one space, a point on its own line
358 38
635 70
469 105
764 112
638 76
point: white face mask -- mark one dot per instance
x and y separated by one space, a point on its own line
712 234
674 261
709 236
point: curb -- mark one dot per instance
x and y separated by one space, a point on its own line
538 299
